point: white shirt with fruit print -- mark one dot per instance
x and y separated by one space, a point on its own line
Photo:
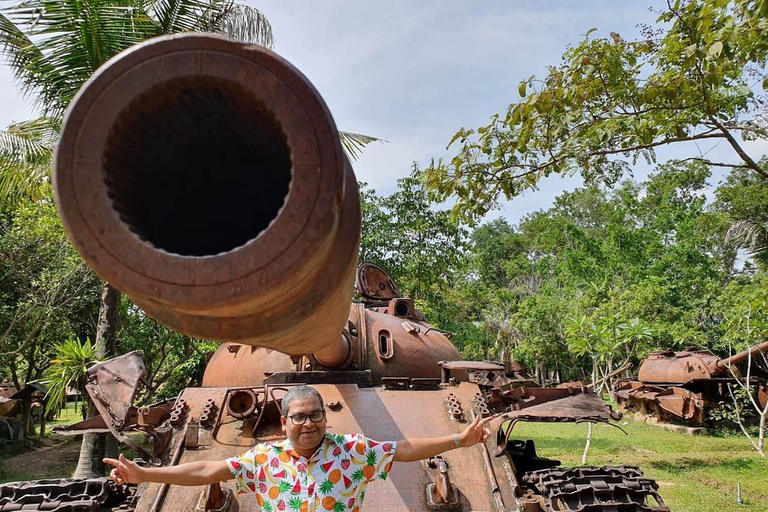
333 479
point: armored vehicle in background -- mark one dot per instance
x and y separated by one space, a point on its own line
205 179
684 386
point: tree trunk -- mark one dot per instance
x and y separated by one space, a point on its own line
587 444
89 464
92 450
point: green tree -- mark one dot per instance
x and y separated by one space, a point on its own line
53 47
698 75
418 245
744 312
47 293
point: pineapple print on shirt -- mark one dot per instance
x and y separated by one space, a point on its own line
333 479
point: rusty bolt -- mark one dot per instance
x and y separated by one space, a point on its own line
353 331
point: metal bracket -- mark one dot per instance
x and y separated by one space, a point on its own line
442 494
215 499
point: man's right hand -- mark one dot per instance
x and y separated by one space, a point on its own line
124 471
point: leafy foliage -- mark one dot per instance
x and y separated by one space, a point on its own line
47 293
698 75
69 369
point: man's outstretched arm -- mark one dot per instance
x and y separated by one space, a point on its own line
192 473
409 450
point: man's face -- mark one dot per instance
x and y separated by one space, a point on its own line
306 437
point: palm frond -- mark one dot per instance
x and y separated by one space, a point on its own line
23 56
72 38
247 24
752 236
25 159
354 143
69 369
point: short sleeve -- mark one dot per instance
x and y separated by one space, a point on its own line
243 468
378 454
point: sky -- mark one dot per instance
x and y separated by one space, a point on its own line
413 73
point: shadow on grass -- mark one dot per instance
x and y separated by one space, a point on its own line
688 464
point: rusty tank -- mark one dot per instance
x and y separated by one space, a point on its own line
254 243
684 386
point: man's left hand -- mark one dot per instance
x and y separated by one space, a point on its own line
475 432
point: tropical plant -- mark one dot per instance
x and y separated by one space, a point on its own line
752 236
69 369
25 159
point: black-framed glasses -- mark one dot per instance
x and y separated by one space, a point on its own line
301 418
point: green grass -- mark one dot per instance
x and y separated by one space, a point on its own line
695 473
67 416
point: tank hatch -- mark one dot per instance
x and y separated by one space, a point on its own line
375 284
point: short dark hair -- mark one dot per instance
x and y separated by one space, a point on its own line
299 393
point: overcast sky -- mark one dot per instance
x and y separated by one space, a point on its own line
414 72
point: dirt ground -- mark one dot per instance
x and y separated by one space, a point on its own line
57 461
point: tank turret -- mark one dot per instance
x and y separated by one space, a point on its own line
683 386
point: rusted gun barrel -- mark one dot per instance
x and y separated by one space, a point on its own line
742 356
205 179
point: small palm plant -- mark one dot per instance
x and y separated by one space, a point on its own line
69 369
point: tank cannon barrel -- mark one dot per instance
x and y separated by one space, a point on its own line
742 356
204 178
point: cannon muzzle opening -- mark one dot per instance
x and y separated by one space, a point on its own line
197 166
205 179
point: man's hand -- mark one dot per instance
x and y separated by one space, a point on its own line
125 471
475 432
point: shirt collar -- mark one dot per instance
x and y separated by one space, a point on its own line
287 446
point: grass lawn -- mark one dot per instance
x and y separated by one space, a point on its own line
695 473
67 416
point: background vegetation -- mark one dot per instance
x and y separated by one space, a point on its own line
612 270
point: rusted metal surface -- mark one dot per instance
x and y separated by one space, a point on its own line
270 260
61 495
742 356
608 489
215 499
442 494
377 412
375 284
684 386
154 414
389 339
462 480
242 365
7 389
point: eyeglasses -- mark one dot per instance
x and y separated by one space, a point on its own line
301 418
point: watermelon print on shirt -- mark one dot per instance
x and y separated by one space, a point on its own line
333 479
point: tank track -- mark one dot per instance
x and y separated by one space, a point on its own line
596 489
63 495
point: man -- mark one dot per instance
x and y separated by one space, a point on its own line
311 469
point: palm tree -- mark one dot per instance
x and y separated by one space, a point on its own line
53 47
752 236
25 159
69 369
